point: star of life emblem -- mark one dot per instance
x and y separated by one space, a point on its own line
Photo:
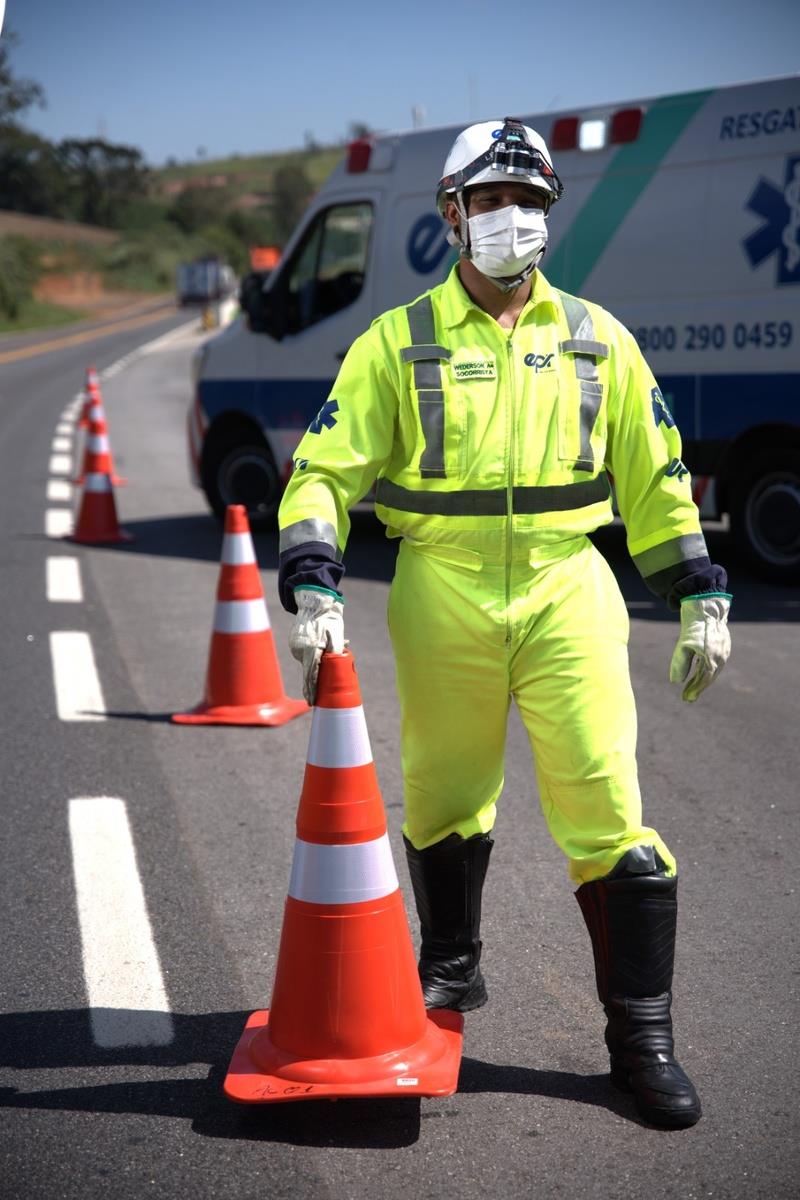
779 207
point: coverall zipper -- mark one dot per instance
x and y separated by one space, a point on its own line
510 483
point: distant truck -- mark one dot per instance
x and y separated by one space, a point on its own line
681 215
203 280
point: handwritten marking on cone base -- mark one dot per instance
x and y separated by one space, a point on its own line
295 1089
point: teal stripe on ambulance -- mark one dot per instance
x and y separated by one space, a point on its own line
628 174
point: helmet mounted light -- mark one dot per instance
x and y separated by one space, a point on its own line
510 154
514 152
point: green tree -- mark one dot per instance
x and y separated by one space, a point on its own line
19 267
32 178
196 207
253 227
16 95
102 179
357 130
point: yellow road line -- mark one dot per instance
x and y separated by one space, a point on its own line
88 335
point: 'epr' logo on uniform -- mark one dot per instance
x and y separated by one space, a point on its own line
539 362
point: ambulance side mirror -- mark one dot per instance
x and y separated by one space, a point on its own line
265 310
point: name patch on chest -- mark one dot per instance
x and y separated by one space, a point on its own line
474 368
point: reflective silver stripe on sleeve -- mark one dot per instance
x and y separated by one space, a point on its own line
493 502
413 353
675 552
426 356
586 351
310 530
584 346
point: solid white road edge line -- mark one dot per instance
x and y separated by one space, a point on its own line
124 984
77 686
64 581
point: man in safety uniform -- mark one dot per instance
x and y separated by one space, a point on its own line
493 412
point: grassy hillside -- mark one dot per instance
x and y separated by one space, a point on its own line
50 229
217 206
249 173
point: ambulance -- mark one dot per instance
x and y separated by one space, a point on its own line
680 215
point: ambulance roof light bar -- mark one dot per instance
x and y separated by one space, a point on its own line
359 153
571 133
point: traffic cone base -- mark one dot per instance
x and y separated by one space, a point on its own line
97 517
260 1073
243 714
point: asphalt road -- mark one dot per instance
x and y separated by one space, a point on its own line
211 815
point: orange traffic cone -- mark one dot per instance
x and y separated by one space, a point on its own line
97 456
347 1015
91 392
97 517
243 681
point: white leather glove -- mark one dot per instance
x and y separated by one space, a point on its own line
704 640
318 626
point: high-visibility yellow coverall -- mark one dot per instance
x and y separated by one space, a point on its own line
492 450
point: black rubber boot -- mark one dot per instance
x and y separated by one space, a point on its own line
448 883
631 916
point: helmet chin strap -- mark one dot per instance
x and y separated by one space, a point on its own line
507 284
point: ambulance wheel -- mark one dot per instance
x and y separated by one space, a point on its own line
765 515
239 469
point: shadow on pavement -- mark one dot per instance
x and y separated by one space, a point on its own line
371 555
51 1040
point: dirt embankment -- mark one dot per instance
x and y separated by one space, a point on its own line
51 230
84 290
78 289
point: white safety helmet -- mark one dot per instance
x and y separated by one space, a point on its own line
497 150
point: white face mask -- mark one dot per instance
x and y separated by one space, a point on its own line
508 240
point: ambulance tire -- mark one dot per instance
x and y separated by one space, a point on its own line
765 514
238 468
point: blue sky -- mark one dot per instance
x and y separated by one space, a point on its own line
171 76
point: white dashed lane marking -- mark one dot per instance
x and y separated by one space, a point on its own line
127 999
59 489
64 581
62 445
77 686
58 522
60 464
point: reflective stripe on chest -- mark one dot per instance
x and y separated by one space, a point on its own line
585 350
427 359
575 361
